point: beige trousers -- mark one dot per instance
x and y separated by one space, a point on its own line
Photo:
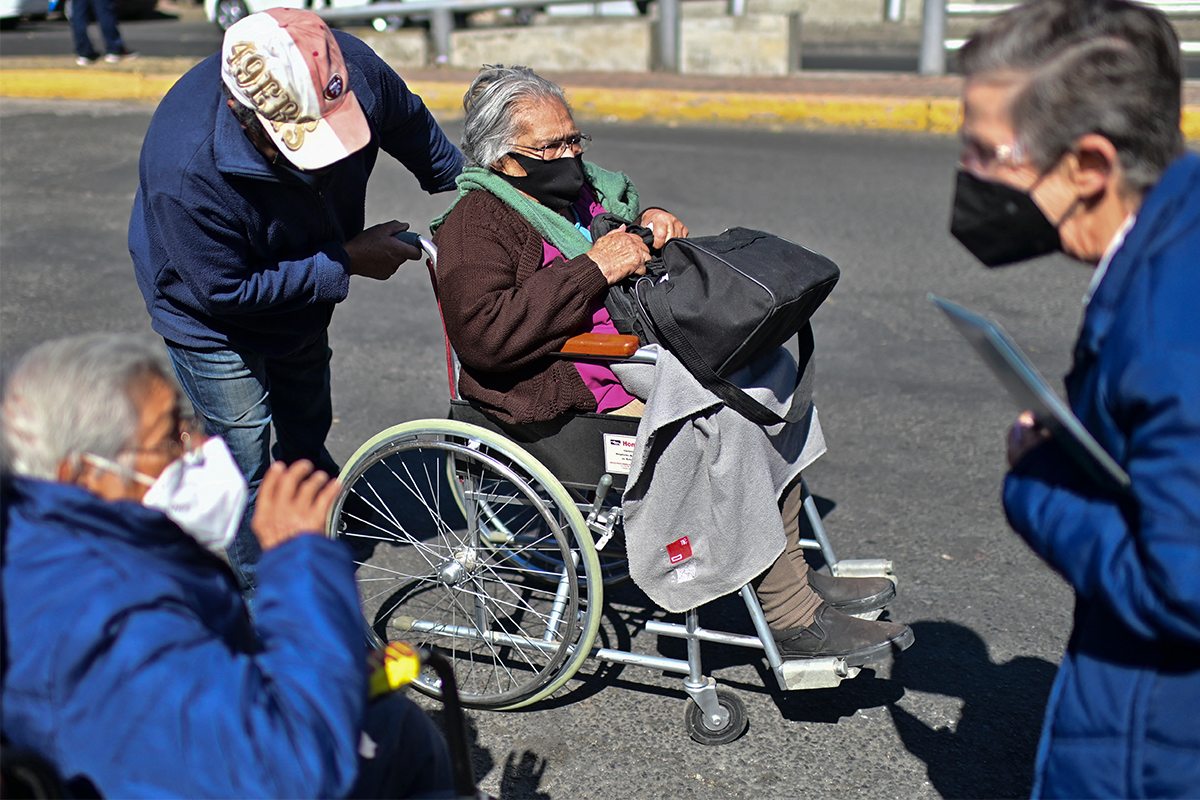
787 599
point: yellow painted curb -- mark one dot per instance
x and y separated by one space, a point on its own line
1191 123
444 99
698 107
70 84
690 107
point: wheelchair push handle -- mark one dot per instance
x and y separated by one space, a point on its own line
416 240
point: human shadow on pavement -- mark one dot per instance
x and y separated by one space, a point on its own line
521 775
990 752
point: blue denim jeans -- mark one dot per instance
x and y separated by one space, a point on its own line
106 17
241 396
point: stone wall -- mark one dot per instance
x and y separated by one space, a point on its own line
756 44
599 45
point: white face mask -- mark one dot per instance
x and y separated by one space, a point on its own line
203 492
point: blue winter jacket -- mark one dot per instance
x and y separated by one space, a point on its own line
1124 715
131 660
233 252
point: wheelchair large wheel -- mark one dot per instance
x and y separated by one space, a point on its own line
418 508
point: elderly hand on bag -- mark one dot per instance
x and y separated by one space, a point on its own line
664 224
619 254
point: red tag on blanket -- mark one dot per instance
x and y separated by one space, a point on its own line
679 550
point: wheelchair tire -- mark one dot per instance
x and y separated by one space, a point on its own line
416 509
735 725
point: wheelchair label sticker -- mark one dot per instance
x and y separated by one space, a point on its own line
684 572
618 453
679 550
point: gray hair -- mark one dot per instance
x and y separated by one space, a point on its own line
72 396
492 103
1109 67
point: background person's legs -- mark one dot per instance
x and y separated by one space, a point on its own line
80 13
106 18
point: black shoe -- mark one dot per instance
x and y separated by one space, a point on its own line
838 635
852 595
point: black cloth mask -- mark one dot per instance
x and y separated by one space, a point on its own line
555 184
999 224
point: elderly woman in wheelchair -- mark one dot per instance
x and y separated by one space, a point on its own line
491 536
519 274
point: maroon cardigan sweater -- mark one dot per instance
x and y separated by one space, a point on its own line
504 315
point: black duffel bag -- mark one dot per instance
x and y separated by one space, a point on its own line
720 302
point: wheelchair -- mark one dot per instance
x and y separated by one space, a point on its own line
492 544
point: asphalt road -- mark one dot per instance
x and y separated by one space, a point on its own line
165 33
914 426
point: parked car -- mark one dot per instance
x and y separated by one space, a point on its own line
11 11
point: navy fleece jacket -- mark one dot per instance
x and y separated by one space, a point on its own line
231 251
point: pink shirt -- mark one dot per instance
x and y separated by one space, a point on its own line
599 379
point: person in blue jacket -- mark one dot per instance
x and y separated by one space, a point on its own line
249 221
1071 139
130 661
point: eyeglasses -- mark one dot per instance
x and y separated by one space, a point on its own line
186 439
978 156
577 145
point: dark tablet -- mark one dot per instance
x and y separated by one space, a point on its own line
1029 389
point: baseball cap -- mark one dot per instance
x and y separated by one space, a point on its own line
285 64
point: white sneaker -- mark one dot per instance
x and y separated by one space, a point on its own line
84 61
117 58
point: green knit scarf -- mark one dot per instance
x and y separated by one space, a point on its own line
614 190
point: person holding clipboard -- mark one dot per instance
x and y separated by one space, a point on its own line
1071 140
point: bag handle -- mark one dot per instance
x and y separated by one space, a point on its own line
678 344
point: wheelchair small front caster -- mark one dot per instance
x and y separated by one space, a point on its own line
704 731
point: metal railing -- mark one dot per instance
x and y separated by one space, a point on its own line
441 20
934 43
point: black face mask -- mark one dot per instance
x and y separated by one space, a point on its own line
555 184
999 224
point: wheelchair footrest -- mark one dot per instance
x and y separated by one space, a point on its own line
814 673
865 568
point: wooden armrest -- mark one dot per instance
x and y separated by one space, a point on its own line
606 345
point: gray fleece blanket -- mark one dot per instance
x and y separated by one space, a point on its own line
701 501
